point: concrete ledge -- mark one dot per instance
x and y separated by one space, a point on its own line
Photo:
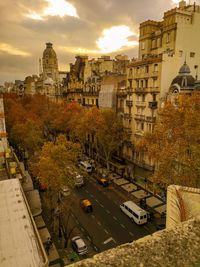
178 246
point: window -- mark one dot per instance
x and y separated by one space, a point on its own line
168 38
146 69
155 67
154 97
192 54
142 45
142 126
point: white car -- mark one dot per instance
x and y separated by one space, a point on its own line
64 191
79 245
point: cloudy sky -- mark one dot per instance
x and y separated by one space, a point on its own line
93 27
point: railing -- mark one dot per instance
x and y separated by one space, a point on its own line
90 93
140 103
121 92
151 119
153 104
139 133
139 117
120 110
128 130
127 116
129 103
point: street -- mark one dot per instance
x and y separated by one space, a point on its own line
106 227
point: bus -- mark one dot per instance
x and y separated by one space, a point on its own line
134 212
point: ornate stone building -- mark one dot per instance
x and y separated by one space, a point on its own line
163 47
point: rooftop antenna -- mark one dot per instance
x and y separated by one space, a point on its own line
196 68
40 66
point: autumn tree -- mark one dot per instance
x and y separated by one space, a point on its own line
174 144
110 135
89 123
27 135
55 163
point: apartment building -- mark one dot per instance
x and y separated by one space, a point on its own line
164 46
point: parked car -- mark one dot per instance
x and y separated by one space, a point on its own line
86 205
64 191
103 182
160 226
79 245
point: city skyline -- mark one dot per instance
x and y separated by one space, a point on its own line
73 27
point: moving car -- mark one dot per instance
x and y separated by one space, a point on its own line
79 182
79 245
103 182
86 205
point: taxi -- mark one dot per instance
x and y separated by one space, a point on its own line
86 205
103 182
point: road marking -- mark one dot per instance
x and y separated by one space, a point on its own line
108 211
114 218
93 216
86 191
98 223
88 238
97 200
145 227
76 221
115 202
72 215
83 230
122 225
106 231
96 248
107 240
130 233
101 205
91 195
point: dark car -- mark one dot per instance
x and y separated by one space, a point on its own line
160 226
103 182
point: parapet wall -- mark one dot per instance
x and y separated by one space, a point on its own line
177 246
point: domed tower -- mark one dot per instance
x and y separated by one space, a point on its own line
183 83
50 63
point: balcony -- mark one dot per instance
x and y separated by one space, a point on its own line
153 89
127 116
139 133
153 104
128 130
140 103
120 110
129 103
151 119
121 93
91 93
129 90
139 117
140 89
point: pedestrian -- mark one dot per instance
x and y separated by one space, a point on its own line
48 245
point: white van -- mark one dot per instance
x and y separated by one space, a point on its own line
84 165
134 212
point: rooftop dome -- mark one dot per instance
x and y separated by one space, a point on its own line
49 52
184 70
184 79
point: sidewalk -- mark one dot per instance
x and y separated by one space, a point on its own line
138 193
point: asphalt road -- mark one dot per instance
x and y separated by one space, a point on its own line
107 226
